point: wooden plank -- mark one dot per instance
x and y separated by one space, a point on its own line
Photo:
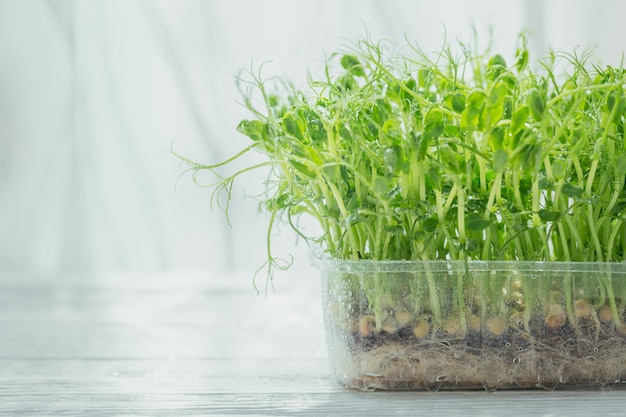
195 345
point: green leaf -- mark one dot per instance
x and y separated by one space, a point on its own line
521 59
281 202
433 118
496 66
518 119
497 95
303 169
549 216
380 112
392 129
472 245
423 77
476 223
559 169
458 102
346 82
476 99
344 132
490 116
496 138
292 125
500 158
254 129
354 203
455 101
449 158
545 184
536 103
452 131
332 172
433 131
394 229
419 236
381 186
435 177
510 79
430 224
618 208
353 219
570 190
497 59
352 65
469 118
314 125
473 108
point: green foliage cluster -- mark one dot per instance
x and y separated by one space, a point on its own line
454 155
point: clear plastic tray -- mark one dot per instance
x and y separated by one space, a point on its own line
477 325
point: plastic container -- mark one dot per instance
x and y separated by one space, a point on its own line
398 325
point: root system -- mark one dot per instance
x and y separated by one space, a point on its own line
517 359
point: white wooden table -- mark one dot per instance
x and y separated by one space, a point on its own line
201 344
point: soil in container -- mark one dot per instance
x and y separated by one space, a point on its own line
594 355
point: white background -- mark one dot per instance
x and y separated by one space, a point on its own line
94 93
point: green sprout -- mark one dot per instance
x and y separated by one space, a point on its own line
456 156
460 157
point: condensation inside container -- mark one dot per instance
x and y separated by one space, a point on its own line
498 325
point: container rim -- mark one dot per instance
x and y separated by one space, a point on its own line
324 262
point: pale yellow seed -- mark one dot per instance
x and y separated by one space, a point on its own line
604 314
451 326
390 325
582 309
403 318
517 295
421 329
366 325
473 322
555 317
516 320
515 299
495 325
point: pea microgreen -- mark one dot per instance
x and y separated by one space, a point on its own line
455 156
407 157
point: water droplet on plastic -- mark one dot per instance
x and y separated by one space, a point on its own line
517 360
